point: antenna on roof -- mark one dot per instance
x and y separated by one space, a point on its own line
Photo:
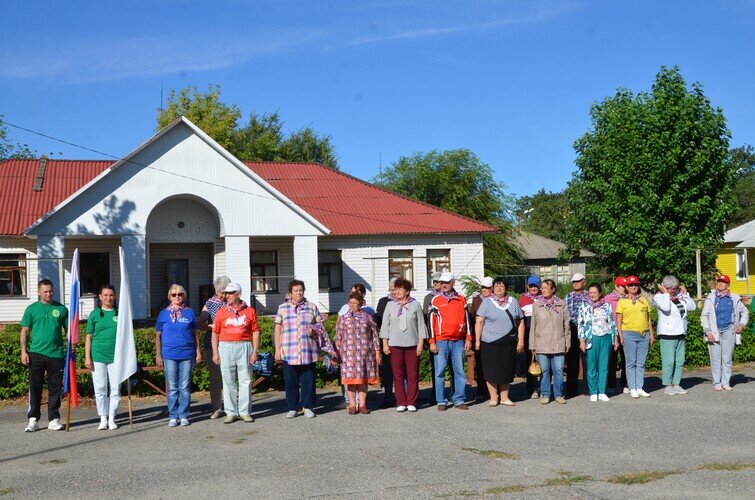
161 97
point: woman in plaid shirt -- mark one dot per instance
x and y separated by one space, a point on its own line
299 337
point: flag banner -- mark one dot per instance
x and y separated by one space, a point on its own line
69 373
125 350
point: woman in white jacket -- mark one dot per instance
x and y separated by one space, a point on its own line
673 303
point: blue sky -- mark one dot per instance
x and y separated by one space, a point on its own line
512 81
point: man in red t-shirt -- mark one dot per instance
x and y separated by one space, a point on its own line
235 344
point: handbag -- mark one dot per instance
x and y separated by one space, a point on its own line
535 369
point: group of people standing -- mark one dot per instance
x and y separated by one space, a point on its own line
508 335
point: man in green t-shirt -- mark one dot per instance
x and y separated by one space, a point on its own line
47 320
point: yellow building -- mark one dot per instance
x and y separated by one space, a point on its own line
736 258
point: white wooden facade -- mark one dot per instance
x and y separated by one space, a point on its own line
182 198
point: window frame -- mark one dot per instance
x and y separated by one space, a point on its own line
264 277
403 262
432 261
740 259
85 268
328 266
23 274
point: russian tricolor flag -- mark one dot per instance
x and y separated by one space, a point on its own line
69 375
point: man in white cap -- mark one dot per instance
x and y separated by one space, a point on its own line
235 345
451 336
486 290
574 356
426 307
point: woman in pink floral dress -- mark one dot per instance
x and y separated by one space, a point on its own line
359 349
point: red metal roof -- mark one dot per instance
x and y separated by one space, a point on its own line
344 204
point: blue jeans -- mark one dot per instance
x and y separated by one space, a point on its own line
636 350
453 349
178 376
551 365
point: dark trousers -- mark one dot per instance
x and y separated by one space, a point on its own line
524 360
405 365
482 387
296 377
38 366
216 380
573 360
387 380
617 360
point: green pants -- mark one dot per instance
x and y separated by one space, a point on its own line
672 358
597 363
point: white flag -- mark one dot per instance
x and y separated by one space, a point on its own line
125 350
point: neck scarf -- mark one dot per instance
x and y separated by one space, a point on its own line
298 305
175 313
616 293
597 304
550 302
635 298
720 295
450 295
401 306
533 297
502 301
243 305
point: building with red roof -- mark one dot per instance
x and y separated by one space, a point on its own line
186 211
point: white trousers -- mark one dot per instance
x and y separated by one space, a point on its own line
235 368
102 376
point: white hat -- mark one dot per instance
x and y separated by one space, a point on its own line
577 277
487 282
436 275
446 277
232 287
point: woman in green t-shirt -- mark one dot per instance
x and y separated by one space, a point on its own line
100 351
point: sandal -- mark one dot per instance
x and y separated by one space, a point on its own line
353 410
508 402
363 410
493 403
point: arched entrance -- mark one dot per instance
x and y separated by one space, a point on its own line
182 232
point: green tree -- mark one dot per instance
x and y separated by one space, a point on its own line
261 139
544 213
9 149
457 180
742 161
652 181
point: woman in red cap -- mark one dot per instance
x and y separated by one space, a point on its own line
724 315
635 334
617 358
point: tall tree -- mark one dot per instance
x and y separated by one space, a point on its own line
261 139
742 161
543 213
652 181
10 149
457 180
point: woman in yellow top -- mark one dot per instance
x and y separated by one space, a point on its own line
636 335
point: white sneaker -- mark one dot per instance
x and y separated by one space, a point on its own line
643 393
32 426
309 413
111 424
173 422
603 397
400 409
103 424
625 390
679 390
669 390
55 425
291 414
411 408
593 398
184 422
634 394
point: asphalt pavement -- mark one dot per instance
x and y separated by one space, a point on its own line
699 445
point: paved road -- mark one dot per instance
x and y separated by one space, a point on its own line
524 452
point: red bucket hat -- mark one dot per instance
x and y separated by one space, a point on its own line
632 280
724 278
620 281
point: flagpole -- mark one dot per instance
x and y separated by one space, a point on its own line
130 416
68 413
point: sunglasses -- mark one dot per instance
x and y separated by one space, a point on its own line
176 295
633 284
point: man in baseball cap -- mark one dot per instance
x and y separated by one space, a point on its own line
524 359
575 356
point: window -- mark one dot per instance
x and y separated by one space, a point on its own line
264 271
329 270
545 272
741 265
94 272
437 261
13 275
562 274
400 263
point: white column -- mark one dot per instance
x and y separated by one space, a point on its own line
237 266
51 247
135 254
305 266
